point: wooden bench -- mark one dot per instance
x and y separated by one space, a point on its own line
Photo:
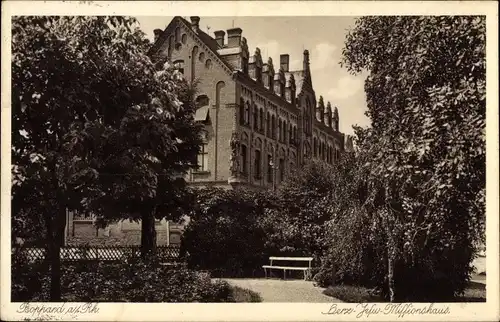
306 270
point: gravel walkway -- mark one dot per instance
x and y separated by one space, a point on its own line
275 290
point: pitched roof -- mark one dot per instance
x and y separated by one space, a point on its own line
210 42
204 37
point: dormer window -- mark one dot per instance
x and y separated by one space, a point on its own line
277 88
266 80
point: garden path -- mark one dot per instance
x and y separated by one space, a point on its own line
276 290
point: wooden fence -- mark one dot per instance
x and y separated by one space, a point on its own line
102 253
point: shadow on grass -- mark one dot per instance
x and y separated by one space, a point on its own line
475 292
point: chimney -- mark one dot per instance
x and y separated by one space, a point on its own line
306 59
157 33
195 23
219 37
234 37
284 62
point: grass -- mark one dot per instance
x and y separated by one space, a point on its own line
243 295
351 294
475 292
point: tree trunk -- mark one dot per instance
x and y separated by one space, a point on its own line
148 235
54 260
55 238
391 255
55 272
390 274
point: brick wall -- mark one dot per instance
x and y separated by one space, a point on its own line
214 81
122 233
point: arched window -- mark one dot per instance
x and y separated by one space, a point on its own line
281 169
247 113
285 128
269 168
244 160
273 127
177 35
255 118
170 46
290 136
315 147
194 53
242 111
268 126
261 119
308 116
307 150
258 164
280 132
218 89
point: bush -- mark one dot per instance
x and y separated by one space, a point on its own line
357 255
223 235
27 276
243 295
133 281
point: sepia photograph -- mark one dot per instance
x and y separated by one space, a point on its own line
335 159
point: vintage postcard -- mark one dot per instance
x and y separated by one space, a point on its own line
249 161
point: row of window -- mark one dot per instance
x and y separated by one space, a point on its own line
281 130
179 65
275 171
322 151
325 152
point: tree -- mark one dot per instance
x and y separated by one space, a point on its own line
97 127
426 100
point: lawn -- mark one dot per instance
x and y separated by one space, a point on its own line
475 292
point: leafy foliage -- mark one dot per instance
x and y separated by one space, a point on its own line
295 224
132 281
424 157
223 234
97 126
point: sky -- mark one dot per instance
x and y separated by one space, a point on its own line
322 36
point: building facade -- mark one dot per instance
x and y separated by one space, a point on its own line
261 120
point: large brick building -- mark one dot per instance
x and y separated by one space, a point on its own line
261 120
